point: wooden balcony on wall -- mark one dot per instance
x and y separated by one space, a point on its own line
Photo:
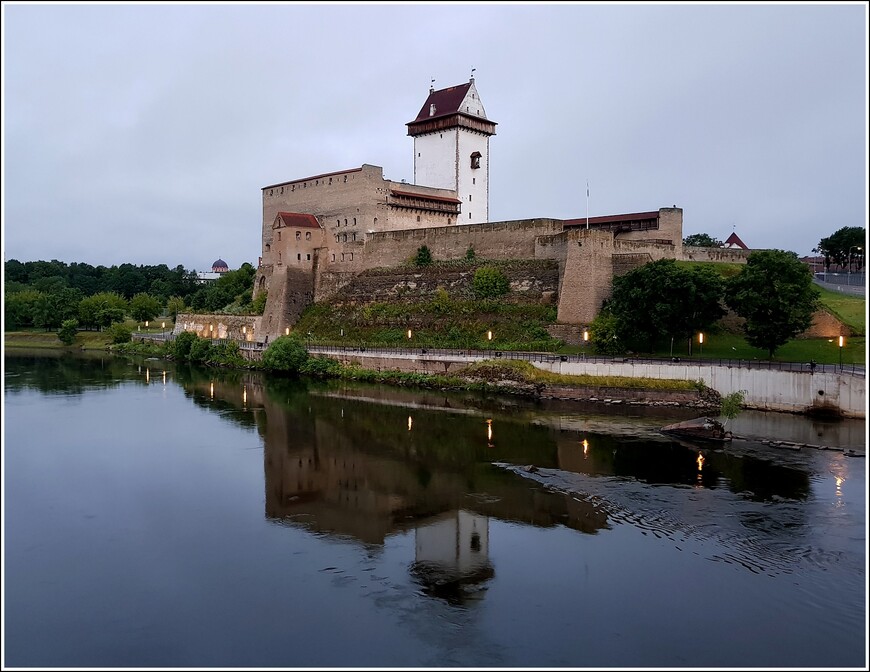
437 124
417 201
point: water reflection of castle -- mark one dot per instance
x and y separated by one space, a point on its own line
351 464
333 466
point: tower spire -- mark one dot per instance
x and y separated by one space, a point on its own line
472 75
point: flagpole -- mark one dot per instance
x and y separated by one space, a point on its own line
587 204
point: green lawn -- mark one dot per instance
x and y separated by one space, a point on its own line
851 310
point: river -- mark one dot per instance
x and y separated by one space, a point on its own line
171 516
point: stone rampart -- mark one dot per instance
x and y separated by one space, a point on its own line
216 326
733 255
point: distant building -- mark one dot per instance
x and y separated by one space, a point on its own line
218 268
734 241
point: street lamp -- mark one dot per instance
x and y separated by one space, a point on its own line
489 335
849 262
701 342
409 334
842 340
163 326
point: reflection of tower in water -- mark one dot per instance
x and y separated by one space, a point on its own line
452 554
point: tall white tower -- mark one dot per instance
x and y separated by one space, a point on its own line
451 148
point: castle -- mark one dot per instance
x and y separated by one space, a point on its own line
320 232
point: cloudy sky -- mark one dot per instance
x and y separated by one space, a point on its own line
143 133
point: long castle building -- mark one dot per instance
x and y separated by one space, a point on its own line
319 232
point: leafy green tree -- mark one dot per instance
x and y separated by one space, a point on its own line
286 353
663 300
20 308
489 283
732 405
101 310
120 332
144 307
258 305
846 246
469 253
200 350
46 313
604 334
701 240
233 286
181 345
174 305
774 293
14 271
423 257
68 331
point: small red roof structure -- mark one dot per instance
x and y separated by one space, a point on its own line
734 241
296 219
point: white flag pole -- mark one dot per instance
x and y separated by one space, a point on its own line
587 204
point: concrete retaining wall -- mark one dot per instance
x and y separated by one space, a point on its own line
766 390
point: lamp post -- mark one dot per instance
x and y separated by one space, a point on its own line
701 343
309 340
841 341
163 327
849 267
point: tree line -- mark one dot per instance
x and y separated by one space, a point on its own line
45 294
845 247
664 300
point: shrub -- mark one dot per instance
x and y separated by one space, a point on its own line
489 283
286 353
423 257
321 367
200 350
469 253
120 332
605 335
68 331
258 305
180 348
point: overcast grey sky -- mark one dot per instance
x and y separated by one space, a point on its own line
143 133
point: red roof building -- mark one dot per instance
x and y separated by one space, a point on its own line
734 241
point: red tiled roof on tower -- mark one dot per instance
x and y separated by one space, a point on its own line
446 101
734 241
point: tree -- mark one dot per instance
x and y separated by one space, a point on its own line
469 253
843 247
732 405
286 353
603 334
663 300
701 240
258 305
68 331
120 332
174 305
181 345
144 307
489 283
423 257
101 310
774 293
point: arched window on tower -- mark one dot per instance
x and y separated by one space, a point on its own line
475 159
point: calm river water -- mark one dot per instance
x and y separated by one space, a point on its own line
172 516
